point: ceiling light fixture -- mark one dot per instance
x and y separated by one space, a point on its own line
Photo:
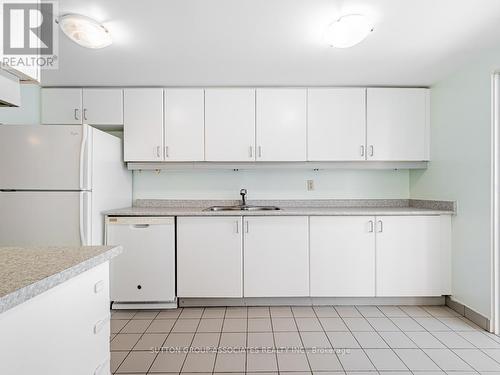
348 31
85 31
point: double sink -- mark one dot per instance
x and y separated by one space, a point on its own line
243 206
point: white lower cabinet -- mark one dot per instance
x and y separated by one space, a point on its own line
413 256
67 328
276 261
318 256
209 257
342 252
145 271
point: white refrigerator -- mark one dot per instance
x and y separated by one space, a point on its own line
56 181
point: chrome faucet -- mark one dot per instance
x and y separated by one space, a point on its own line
243 193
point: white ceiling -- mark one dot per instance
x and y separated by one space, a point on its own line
274 42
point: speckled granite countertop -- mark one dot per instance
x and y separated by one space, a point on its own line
26 272
290 208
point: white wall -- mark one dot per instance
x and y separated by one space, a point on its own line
28 112
271 184
460 170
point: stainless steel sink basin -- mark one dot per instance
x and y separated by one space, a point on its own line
242 208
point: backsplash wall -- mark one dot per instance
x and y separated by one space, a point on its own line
272 184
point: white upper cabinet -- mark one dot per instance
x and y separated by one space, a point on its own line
184 125
276 261
412 258
61 106
336 124
230 124
143 124
71 106
397 124
281 124
342 256
102 106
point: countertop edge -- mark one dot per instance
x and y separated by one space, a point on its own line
28 292
411 211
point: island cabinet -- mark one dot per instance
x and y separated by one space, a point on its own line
64 330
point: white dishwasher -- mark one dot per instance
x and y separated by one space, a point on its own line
143 276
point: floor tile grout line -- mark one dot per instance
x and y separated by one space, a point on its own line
121 362
218 343
130 351
191 344
275 347
328 338
418 347
367 356
302 341
482 350
164 341
395 353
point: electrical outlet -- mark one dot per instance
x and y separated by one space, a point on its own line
310 185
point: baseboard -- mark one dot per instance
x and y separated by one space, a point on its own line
143 305
306 301
468 313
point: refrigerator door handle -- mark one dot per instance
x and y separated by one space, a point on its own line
82 156
84 227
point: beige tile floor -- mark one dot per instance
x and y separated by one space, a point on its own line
291 340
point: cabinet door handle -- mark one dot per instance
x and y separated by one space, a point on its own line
166 151
99 369
260 151
371 226
76 114
362 150
371 150
246 226
98 286
85 113
100 325
380 226
158 151
237 227
250 151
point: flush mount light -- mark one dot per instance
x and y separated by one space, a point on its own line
348 31
85 31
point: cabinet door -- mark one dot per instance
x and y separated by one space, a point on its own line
61 106
409 256
230 124
336 124
398 124
342 256
184 124
143 124
281 124
145 271
209 257
276 257
103 106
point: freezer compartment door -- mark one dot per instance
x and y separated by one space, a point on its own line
44 218
45 157
145 271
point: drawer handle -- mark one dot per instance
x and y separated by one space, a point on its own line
140 226
99 369
98 286
100 325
